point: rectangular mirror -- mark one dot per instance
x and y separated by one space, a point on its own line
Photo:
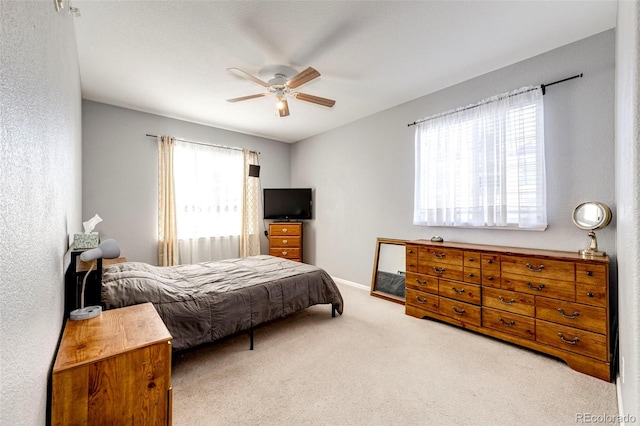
389 270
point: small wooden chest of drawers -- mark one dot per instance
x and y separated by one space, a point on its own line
551 301
113 369
285 240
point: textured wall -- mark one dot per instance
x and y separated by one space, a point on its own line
628 201
364 172
39 197
120 171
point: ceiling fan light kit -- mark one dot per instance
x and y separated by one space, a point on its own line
280 87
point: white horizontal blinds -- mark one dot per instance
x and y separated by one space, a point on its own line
483 165
208 191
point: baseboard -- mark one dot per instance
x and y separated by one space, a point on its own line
350 283
619 396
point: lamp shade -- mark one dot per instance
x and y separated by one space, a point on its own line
108 249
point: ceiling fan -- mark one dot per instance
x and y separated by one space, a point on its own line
280 87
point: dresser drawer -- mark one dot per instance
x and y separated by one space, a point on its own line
422 300
411 258
472 259
287 253
538 267
572 339
282 229
421 282
463 312
285 242
518 303
591 274
441 256
573 314
565 290
472 275
469 293
440 270
490 262
507 322
491 278
589 294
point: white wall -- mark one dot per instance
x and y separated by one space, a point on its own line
627 126
120 171
39 197
363 172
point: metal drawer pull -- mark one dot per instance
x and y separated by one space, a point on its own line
439 255
439 270
540 287
421 282
410 251
572 316
284 241
421 300
471 259
284 253
456 290
590 273
490 261
508 324
534 269
284 229
489 278
590 294
471 275
570 342
510 302
459 312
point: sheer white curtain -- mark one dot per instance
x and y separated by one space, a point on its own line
483 165
250 239
209 199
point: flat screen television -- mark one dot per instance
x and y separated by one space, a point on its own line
287 203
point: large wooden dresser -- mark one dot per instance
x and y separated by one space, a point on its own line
551 301
114 369
285 240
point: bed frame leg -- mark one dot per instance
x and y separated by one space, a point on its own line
333 311
251 339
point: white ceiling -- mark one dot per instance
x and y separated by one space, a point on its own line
171 57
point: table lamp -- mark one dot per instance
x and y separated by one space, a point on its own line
108 249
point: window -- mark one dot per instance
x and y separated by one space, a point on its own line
208 201
483 165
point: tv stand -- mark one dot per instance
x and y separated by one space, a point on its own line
285 240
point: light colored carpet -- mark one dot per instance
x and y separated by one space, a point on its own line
376 366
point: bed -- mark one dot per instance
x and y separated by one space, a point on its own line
204 302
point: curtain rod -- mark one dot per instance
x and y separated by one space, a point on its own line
207 144
542 86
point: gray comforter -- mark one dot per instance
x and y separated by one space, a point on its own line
204 302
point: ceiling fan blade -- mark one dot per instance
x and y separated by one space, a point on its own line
303 77
244 98
283 107
315 99
244 74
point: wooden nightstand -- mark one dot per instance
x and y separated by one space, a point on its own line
113 369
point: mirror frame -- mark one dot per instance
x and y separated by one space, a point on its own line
374 292
593 246
606 219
